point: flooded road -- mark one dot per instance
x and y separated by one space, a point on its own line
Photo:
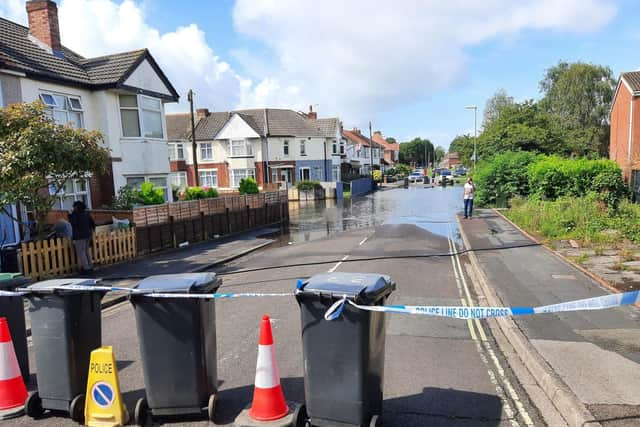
433 209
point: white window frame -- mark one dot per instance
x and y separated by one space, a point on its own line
181 178
303 147
342 147
335 173
67 109
301 173
214 175
240 148
77 195
174 152
248 172
141 124
285 148
202 150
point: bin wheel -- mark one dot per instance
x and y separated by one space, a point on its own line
211 407
76 409
142 412
300 418
33 405
376 421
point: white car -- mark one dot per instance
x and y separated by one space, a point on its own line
416 177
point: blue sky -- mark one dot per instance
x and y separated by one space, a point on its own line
410 66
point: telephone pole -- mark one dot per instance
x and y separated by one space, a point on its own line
194 145
371 149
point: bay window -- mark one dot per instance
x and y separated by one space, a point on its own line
238 174
241 147
141 116
208 178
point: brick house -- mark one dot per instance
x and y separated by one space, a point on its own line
624 139
272 145
122 95
361 153
450 160
391 150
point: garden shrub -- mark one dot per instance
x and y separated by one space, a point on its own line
126 198
248 186
377 175
150 195
503 177
308 185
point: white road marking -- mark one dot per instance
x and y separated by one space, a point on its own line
332 269
363 240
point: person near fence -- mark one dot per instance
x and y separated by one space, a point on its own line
83 226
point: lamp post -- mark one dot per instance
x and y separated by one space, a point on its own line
475 131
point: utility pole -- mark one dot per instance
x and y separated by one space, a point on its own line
371 149
194 145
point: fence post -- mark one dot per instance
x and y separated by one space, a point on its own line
248 215
172 232
228 221
203 234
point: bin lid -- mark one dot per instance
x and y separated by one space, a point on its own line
197 283
7 276
367 287
10 281
50 286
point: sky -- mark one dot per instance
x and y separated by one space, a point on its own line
408 66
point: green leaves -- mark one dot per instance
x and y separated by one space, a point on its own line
248 186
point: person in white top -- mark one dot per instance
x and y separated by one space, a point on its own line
467 195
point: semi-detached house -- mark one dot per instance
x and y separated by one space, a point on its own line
271 145
122 95
362 154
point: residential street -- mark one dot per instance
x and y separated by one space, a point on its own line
437 371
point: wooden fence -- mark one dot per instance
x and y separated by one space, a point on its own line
56 257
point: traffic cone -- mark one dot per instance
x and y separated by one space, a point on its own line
268 399
13 392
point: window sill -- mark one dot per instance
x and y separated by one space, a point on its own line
141 139
249 156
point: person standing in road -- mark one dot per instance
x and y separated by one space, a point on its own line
467 195
83 226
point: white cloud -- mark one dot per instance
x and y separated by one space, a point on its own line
14 10
361 57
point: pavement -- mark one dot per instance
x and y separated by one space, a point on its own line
595 354
437 371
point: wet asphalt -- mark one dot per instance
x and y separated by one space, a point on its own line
436 372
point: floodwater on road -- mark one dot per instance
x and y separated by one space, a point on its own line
433 209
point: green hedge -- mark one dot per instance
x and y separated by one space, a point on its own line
195 193
308 186
503 177
248 186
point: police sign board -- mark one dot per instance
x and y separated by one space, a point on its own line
104 405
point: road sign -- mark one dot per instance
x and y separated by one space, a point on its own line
104 405
102 394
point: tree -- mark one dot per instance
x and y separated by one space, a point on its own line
463 145
439 154
37 157
415 151
391 140
580 94
492 108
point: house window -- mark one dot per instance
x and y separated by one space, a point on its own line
366 152
176 152
73 190
335 173
303 148
241 147
238 174
141 116
206 151
208 178
341 147
63 109
335 147
178 179
285 147
305 174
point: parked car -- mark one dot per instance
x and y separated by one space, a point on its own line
445 177
416 177
459 172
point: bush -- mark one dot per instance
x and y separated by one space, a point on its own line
150 195
248 186
402 169
126 199
377 175
503 177
391 171
210 193
553 177
196 193
308 185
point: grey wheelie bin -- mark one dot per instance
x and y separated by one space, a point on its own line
178 346
66 327
13 309
343 358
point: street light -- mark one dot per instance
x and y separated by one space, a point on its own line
475 130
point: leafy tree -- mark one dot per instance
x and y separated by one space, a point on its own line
580 95
37 157
493 106
391 140
463 145
415 151
439 154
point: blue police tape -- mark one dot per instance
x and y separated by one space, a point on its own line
462 312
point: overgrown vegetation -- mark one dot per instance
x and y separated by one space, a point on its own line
308 185
150 195
248 186
126 198
196 193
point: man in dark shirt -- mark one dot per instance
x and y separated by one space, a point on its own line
83 226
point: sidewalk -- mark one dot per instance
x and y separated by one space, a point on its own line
596 354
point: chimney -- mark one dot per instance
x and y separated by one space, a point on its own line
43 22
356 131
312 114
378 133
201 113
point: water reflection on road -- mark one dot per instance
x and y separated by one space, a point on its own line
433 209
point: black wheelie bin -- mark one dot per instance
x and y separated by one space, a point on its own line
343 358
178 346
66 326
12 307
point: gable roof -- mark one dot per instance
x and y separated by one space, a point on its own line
19 51
178 126
632 78
265 122
379 139
356 137
329 126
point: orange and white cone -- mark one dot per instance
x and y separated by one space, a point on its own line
13 392
268 398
